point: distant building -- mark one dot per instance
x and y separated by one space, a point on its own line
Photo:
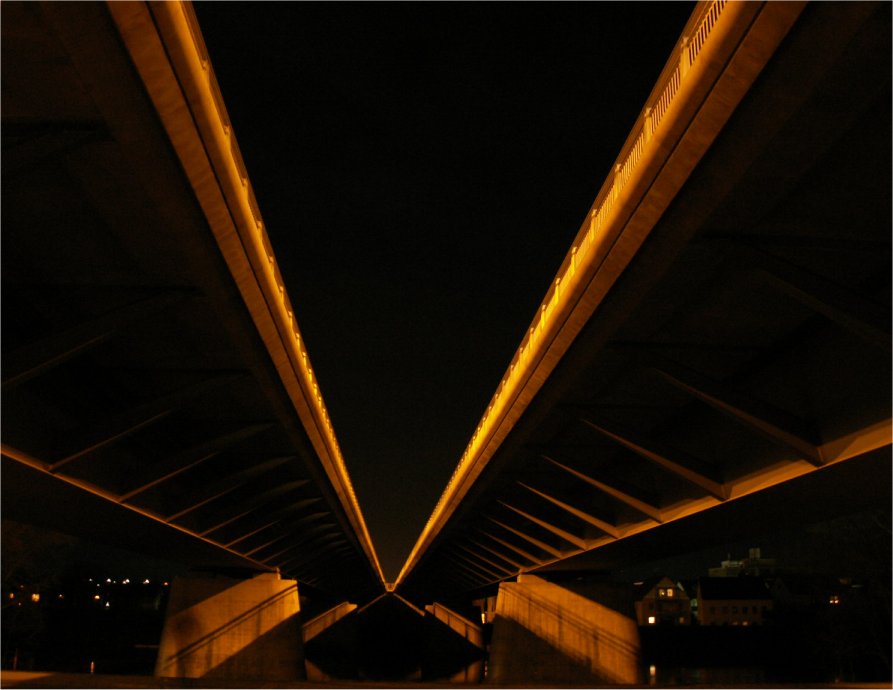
754 565
733 601
661 601
727 568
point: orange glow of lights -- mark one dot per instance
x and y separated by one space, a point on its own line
35 597
96 597
572 272
196 79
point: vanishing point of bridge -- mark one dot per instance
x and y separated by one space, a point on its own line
713 356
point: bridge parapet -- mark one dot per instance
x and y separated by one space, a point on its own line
709 39
699 344
159 377
234 215
585 250
326 620
457 623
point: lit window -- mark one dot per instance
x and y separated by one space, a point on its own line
661 592
651 620
96 597
669 592
35 597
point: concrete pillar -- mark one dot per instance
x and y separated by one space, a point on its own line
326 620
330 644
547 633
228 628
458 623
454 649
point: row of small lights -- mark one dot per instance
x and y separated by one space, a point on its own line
35 597
272 271
595 217
125 581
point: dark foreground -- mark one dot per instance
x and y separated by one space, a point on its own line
33 679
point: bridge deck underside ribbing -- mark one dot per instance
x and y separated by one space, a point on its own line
133 370
747 345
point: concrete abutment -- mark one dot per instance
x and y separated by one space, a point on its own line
223 627
544 632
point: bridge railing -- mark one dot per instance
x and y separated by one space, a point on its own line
188 55
458 623
261 240
325 620
584 250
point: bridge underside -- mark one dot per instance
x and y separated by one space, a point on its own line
138 394
740 362
746 347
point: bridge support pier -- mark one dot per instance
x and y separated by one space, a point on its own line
545 632
222 627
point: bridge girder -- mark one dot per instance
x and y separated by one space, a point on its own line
153 372
734 351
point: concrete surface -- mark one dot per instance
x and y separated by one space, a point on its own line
224 628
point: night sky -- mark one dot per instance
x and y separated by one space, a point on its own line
422 170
